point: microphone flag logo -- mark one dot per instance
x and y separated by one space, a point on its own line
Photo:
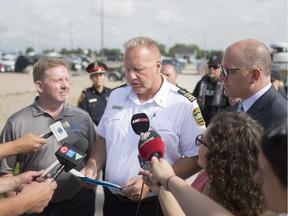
58 130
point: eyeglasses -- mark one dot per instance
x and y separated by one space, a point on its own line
227 71
213 66
199 141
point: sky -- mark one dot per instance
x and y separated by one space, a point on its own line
72 24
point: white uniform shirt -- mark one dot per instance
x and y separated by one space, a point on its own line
170 114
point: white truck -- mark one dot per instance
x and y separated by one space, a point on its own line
279 54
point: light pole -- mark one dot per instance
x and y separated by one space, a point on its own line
102 26
71 35
205 43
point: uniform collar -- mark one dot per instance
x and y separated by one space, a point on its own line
159 98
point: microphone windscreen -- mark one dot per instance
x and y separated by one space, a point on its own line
151 144
140 123
81 144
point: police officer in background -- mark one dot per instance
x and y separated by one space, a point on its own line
209 91
94 99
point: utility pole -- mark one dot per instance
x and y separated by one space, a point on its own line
102 26
71 35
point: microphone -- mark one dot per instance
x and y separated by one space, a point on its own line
69 156
151 144
140 123
58 130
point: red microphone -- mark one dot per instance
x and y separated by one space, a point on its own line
151 144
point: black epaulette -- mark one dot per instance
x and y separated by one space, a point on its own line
85 90
186 94
123 85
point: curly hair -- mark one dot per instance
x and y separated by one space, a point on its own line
234 142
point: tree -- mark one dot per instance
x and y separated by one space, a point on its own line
29 50
162 48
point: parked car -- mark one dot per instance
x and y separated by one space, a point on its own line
25 62
279 56
5 68
8 59
115 75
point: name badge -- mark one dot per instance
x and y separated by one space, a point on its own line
117 107
92 100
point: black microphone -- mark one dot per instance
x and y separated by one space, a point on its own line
140 123
151 144
57 129
70 156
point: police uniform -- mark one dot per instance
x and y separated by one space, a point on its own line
94 102
210 93
91 100
33 119
210 97
173 113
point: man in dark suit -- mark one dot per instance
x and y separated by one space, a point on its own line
246 72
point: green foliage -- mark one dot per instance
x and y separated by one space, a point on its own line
17 169
29 50
215 52
116 53
162 48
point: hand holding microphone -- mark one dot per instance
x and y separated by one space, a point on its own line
150 146
69 156
28 143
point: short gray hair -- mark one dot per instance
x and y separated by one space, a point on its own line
142 41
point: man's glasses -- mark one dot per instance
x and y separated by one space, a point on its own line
227 71
199 141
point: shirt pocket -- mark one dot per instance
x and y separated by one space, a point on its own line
115 125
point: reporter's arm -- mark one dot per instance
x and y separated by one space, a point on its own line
10 183
169 204
32 199
25 144
193 202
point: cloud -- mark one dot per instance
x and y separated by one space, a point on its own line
206 23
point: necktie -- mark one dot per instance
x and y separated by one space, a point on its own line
240 107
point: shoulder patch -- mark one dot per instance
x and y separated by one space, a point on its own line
186 94
124 85
198 116
82 96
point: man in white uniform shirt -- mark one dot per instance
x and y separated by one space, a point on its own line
173 113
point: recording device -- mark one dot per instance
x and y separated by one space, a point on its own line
58 130
70 156
140 123
151 144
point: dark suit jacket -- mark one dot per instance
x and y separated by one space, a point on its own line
270 107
